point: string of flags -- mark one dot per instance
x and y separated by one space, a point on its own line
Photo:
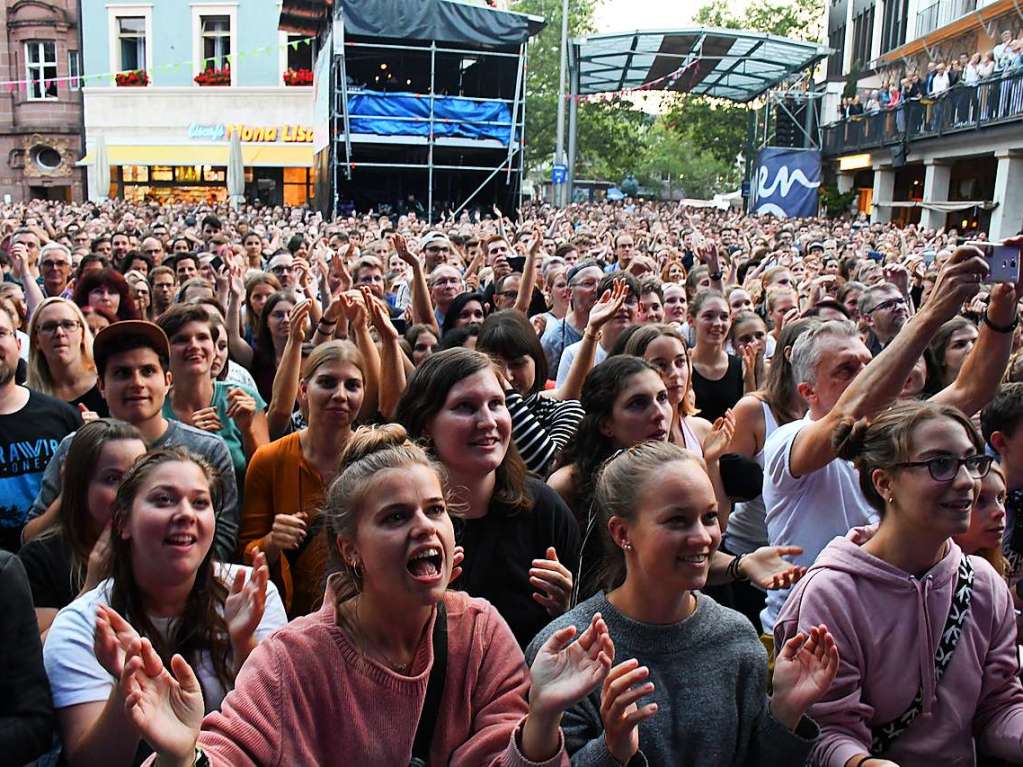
669 80
46 83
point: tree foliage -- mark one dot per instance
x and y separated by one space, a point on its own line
670 156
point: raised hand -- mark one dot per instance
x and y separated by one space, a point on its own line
564 671
553 582
288 532
245 604
401 248
958 282
87 415
97 565
716 443
619 710
608 305
378 315
236 281
206 418
457 557
114 635
803 673
766 568
354 309
241 408
166 710
297 321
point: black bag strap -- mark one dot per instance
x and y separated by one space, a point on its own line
434 690
883 736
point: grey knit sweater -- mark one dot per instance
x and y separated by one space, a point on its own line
710 675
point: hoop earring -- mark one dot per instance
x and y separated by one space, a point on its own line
355 573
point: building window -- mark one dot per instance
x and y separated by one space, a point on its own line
47 158
41 68
74 70
836 41
863 32
131 43
301 55
893 28
298 187
216 42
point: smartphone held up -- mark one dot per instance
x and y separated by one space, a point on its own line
1003 260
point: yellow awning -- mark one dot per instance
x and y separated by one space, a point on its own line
254 155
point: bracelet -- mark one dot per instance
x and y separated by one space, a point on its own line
715 276
595 336
327 324
864 760
1002 328
733 572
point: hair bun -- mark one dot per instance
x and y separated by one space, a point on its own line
849 437
372 439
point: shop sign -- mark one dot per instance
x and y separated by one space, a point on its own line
290 134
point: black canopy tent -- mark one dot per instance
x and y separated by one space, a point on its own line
434 56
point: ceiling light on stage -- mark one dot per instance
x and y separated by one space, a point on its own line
383 66
408 82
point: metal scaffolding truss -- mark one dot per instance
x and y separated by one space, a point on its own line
513 161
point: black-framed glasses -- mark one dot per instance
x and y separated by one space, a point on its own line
50 327
945 468
891 303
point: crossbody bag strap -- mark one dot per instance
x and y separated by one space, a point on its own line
883 736
434 690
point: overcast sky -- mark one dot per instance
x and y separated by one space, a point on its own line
628 15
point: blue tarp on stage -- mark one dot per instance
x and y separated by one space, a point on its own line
370 112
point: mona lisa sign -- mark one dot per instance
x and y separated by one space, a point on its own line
288 134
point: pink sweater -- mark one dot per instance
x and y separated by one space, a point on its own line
307 696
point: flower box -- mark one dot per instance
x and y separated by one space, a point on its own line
136 78
298 76
214 76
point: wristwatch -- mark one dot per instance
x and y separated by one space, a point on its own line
715 276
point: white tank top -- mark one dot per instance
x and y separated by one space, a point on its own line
747 524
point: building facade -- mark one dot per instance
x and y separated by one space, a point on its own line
168 83
935 132
40 100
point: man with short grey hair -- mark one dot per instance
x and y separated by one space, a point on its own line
810 496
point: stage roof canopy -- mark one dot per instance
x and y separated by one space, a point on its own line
441 20
723 63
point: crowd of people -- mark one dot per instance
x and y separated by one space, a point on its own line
620 483
955 81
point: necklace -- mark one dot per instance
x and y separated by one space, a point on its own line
355 630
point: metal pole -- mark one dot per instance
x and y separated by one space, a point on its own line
522 118
520 89
573 114
477 191
344 97
751 141
559 152
433 95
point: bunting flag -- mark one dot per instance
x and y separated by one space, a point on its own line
667 80
81 79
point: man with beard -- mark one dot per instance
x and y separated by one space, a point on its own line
885 311
31 426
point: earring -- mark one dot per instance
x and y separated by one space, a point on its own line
627 546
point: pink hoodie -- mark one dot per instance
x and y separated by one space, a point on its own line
887 625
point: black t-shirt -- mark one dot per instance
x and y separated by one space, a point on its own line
500 549
47 561
28 439
713 398
93 401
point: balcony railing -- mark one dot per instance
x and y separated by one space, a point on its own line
960 109
941 13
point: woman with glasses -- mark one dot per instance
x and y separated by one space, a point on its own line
926 635
60 356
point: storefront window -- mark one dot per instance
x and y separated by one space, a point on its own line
210 173
135 173
297 186
187 173
162 173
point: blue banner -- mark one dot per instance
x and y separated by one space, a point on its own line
786 182
372 112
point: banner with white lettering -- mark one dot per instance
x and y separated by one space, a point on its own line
786 182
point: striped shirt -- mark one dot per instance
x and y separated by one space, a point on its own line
541 426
